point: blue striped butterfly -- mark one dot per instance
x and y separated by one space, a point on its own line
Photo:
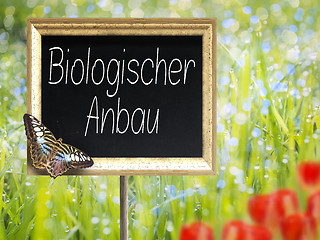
48 153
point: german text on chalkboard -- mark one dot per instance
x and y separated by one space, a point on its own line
124 96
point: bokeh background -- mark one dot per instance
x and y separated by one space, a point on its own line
268 122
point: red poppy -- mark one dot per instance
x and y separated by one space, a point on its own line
269 209
299 226
313 207
309 176
239 230
196 231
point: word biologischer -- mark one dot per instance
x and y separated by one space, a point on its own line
111 75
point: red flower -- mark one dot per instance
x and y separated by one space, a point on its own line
309 176
259 233
313 207
269 209
286 202
260 208
239 230
234 230
196 231
299 226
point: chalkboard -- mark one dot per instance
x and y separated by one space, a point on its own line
121 89
147 89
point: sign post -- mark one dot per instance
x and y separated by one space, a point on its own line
137 95
123 207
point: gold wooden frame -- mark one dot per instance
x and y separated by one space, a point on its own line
37 27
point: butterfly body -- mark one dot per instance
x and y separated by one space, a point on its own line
48 153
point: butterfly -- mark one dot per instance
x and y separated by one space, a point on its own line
48 153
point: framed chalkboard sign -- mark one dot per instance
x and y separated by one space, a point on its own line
137 95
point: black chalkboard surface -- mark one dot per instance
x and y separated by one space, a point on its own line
124 96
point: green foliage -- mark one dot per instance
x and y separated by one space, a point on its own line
268 120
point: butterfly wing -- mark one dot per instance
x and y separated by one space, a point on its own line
41 139
47 152
67 157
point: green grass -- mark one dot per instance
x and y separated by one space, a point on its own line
287 131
